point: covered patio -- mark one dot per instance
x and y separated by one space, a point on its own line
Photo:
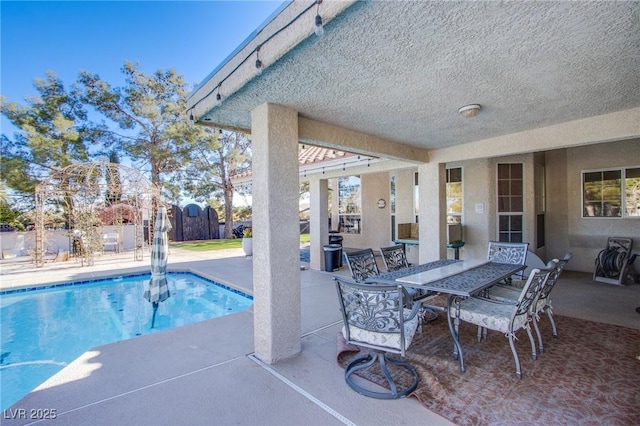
207 373
558 90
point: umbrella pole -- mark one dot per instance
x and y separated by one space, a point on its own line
155 309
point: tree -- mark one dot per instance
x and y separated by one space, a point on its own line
53 132
214 157
9 214
151 111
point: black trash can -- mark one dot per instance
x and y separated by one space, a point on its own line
336 239
332 254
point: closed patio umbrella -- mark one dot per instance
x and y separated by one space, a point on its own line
158 290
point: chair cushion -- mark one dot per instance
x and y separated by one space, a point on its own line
491 315
381 338
509 295
504 294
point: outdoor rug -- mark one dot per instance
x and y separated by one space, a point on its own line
590 375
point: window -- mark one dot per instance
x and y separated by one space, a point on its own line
416 197
392 198
454 195
632 192
392 201
605 192
510 203
349 204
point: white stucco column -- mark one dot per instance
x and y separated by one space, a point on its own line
318 212
432 216
276 233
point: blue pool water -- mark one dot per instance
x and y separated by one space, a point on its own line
44 330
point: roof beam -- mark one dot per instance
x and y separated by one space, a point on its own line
327 135
616 126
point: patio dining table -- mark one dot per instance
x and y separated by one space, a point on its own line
457 278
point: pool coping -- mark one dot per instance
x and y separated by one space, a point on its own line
95 279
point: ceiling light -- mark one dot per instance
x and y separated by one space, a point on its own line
469 111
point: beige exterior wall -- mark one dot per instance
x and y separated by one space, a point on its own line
567 230
376 222
480 212
478 226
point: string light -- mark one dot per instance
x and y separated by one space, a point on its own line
343 166
319 30
258 61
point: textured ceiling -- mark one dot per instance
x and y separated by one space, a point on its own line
401 69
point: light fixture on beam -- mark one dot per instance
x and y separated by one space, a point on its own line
319 30
469 111
258 62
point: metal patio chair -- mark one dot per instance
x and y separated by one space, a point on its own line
543 302
515 253
395 259
362 264
111 241
375 317
507 318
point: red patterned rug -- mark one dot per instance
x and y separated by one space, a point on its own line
590 375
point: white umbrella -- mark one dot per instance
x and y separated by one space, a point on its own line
158 290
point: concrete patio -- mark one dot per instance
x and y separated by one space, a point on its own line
205 373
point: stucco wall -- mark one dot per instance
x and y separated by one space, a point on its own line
17 244
376 222
480 214
565 229
585 237
478 227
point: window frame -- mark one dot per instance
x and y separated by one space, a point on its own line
454 218
510 217
589 205
353 218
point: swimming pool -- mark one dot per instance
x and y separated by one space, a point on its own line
45 329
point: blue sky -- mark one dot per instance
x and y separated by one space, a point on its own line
193 37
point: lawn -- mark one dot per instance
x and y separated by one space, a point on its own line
210 245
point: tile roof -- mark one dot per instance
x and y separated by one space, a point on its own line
315 154
308 155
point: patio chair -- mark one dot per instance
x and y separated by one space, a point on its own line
515 253
362 264
111 241
507 318
375 318
543 302
395 259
